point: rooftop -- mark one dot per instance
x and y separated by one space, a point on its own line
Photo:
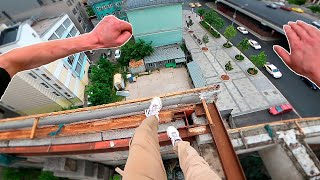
42 25
9 35
163 53
91 2
138 4
135 64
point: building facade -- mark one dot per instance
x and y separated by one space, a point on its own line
159 22
50 87
104 8
14 11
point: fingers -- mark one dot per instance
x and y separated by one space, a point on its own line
283 54
300 31
124 37
311 30
292 37
125 26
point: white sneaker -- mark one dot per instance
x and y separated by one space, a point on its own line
173 134
154 108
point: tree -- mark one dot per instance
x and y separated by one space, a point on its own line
101 89
135 50
205 39
214 19
258 60
230 33
243 46
297 2
201 12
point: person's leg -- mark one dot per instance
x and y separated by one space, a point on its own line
191 163
144 161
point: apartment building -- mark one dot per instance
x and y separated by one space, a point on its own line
104 8
14 11
52 86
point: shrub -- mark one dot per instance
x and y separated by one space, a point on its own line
315 9
252 71
212 31
227 45
239 57
297 2
228 66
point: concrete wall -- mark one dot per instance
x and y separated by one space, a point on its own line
279 164
162 25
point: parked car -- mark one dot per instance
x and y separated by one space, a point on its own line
280 3
273 70
242 30
280 109
299 10
273 6
254 44
192 5
287 8
117 54
197 4
316 23
309 83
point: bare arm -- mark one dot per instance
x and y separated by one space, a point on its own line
110 32
304 42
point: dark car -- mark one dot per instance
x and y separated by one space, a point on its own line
285 8
273 6
309 83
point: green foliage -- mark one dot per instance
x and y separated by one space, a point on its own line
230 33
212 31
136 51
297 2
205 39
253 168
90 11
243 45
19 174
201 11
214 19
228 66
260 59
315 9
46 175
101 89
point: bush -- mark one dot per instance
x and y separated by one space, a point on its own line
239 57
315 9
46 175
212 31
228 66
227 45
252 71
297 2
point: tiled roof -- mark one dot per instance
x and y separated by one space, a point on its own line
196 75
137 4
134 64
163 53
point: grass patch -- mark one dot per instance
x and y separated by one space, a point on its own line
212 31
239 57
252 71
315 9
227 45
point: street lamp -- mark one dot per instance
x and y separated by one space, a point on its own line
235 13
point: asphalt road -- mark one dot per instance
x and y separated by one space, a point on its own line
305 100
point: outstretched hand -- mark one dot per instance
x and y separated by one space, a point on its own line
111 32
304 42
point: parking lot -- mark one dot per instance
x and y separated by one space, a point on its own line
159 82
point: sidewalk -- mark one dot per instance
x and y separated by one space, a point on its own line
242 93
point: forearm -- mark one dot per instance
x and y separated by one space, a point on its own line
29 57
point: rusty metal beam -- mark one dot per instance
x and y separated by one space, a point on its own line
96 147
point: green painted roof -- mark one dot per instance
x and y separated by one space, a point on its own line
139 4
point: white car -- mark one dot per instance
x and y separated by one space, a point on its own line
192 5
197 4
117 54
254 44
242 30
273 70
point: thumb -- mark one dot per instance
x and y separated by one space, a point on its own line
124 37
283 54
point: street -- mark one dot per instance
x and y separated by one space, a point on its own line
301 96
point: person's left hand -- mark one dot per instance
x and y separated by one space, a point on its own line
111 32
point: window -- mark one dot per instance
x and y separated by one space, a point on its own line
78 68
67 94
72 1
53 36
70 60
65 66
74 11
69 35
73 31
79 19
55 93
57 86
45 76
32 75
69 3
60 31
66 22
43 84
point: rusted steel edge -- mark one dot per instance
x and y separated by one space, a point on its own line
97 147
108 105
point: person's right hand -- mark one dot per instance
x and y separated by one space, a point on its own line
304 56
111 32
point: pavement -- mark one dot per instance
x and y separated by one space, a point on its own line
242 93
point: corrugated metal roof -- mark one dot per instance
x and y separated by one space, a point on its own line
137 4
165 53
196 75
